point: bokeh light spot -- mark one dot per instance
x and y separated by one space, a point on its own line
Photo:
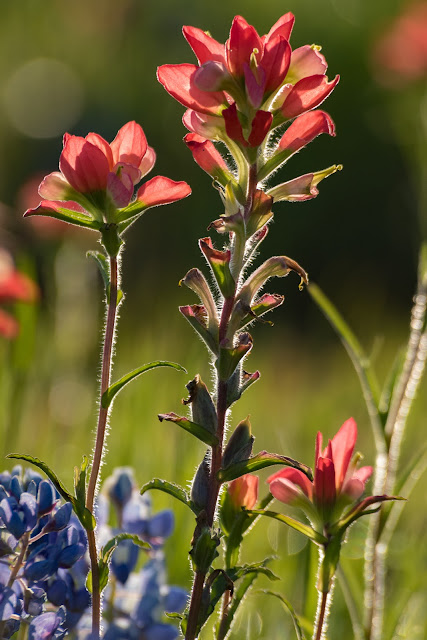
43 98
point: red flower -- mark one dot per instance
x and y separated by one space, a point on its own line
244 491
14 286
257 76
402 49
337 482
97 180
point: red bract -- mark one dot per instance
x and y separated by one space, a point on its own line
244 491
14 286
337 482
97 180
255 75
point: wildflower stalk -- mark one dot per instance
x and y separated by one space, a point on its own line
100 439
221 408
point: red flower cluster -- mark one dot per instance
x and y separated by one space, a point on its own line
337 482
249 84
96 181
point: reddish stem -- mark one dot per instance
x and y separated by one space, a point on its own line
321 616
216 461
99 444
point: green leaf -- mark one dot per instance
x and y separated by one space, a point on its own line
84 515
103 265
241 525
195 429
295 524
173 490
80 481
105 557
246 576
287 605
262 460
70 216
109 394
359 359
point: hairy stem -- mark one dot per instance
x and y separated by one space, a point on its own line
321 615
221 408
100 440
403 396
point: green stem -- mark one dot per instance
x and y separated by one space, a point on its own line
221 408
100 441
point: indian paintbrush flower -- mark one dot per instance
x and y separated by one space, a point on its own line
337 482
96 182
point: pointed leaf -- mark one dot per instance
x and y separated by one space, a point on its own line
173 490
287 605
359 359
108 395
196 430
102 264
105 557
295 524
80 481
84 515
260 461
73 213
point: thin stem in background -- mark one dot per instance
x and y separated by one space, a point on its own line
403 396
100 439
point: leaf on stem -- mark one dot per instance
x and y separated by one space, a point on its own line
105 557
173 490
108 395
317 537
84 515
196 430
261 460
287 605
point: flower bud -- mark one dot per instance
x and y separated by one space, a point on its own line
243 491
202 406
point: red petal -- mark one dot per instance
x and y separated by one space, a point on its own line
343 444
275 61
178 80
244 491
102 144
147 162
129 145
305 128
240 45
17 286
203 45
161 190
260 127
54 187
295 477
324 482
306 61
233 127
283 27
307 94
84 165
205 153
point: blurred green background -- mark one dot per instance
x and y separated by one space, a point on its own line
90 66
